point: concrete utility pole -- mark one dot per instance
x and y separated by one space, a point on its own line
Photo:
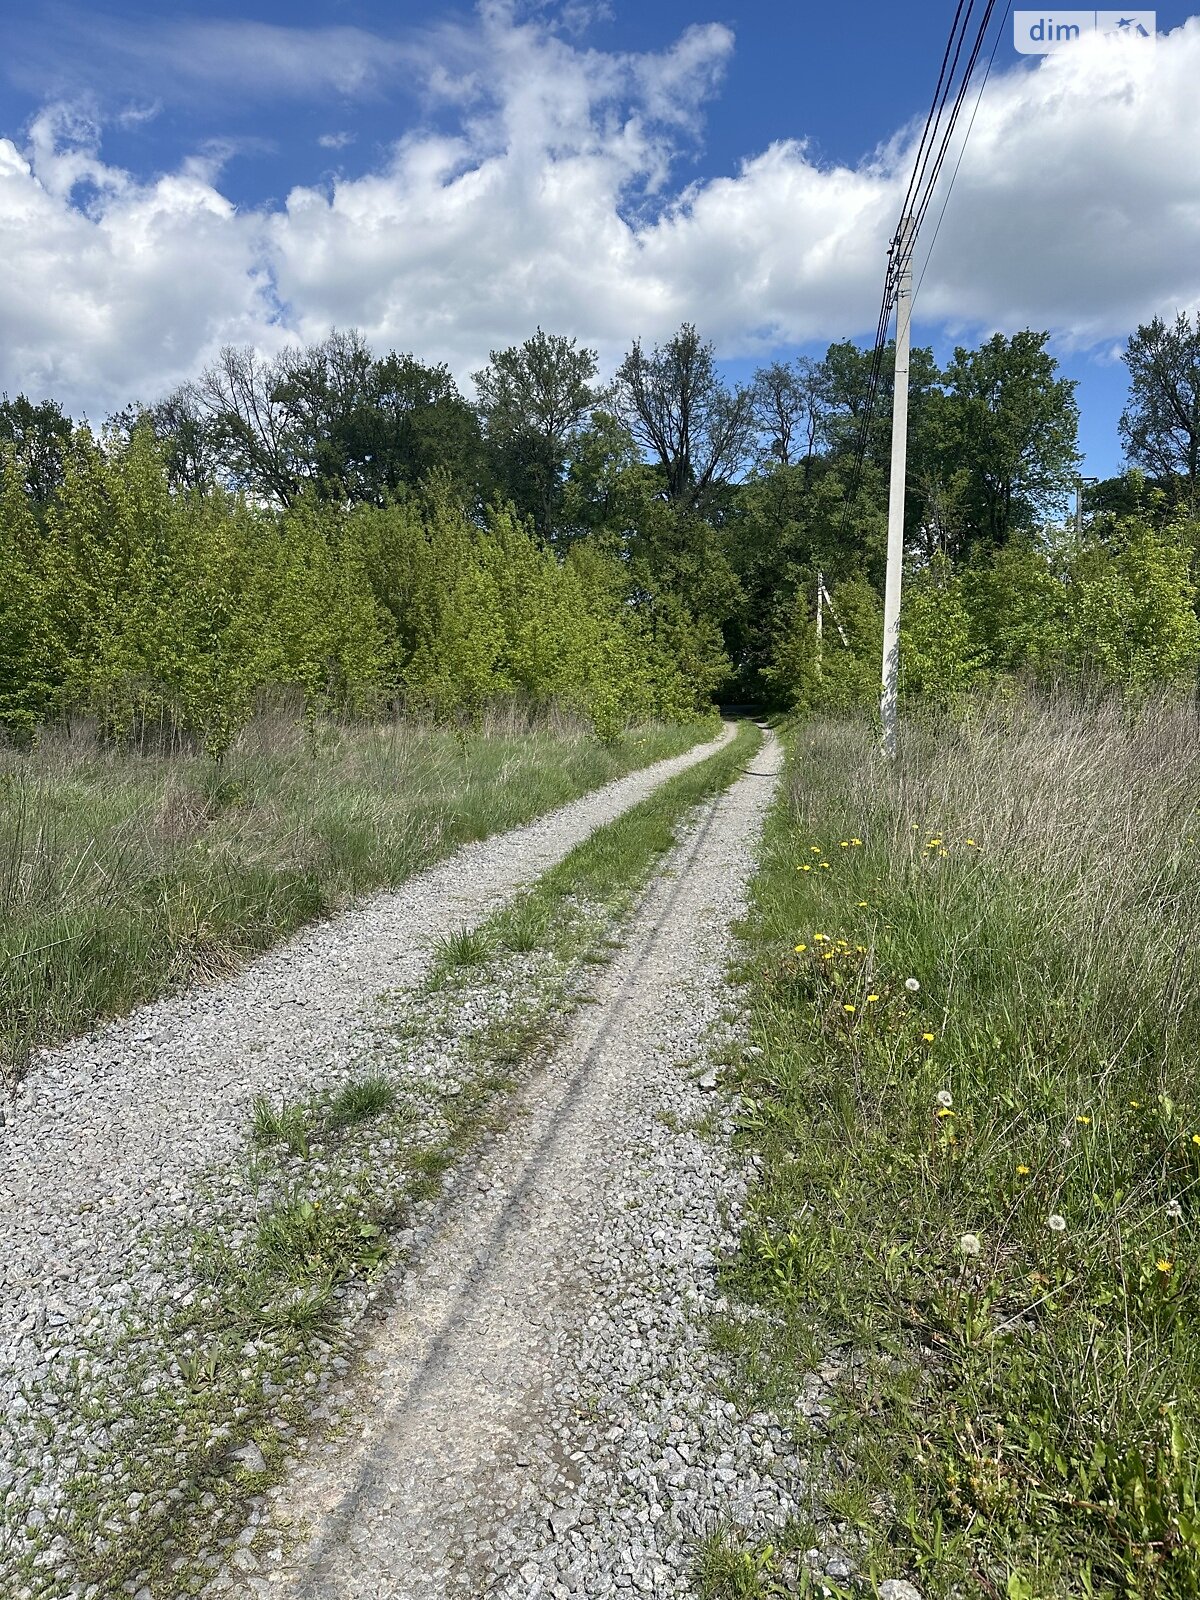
1079 483
895 540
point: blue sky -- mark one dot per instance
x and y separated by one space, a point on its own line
448 179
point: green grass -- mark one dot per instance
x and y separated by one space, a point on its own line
290 1126
464 947
975 983
123 876
360 1101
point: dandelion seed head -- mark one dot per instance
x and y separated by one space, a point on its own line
912 984
1174 1210
944 1097
969 1244
1056 1224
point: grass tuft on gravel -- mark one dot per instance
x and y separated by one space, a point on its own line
123 876
974 983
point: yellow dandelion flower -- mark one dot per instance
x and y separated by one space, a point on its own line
807 867
800 949
856 843
845 845
933 844
871 999
1165 1267
1196 1138
862 905
815 848
1022 1172
825 863
820 937
972 843
929 1037
943 1112
850 1008
1136 1104
1086 1121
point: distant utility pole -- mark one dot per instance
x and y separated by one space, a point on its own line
1079 483
895 538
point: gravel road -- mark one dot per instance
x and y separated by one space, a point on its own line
540 1413
109 1136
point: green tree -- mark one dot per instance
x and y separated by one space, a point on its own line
533 398
1017 604
1160 426
1011 424
938 661
697 429
1131 607
36 435
28 675
329 418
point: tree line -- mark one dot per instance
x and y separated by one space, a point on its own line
352 526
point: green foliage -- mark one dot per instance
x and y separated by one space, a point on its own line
533 399
35 437
1017 605
1010 424
147 607
841 671
937 662
1130 613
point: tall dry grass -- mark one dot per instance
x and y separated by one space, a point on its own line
124 874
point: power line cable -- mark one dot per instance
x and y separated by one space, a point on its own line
927 168
962 149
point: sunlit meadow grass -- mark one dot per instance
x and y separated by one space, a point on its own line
123 875
975 986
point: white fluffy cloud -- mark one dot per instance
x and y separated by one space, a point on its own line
1077 208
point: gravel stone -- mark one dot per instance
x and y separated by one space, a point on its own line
543 1412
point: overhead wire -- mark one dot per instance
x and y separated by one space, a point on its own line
962 149
927 167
